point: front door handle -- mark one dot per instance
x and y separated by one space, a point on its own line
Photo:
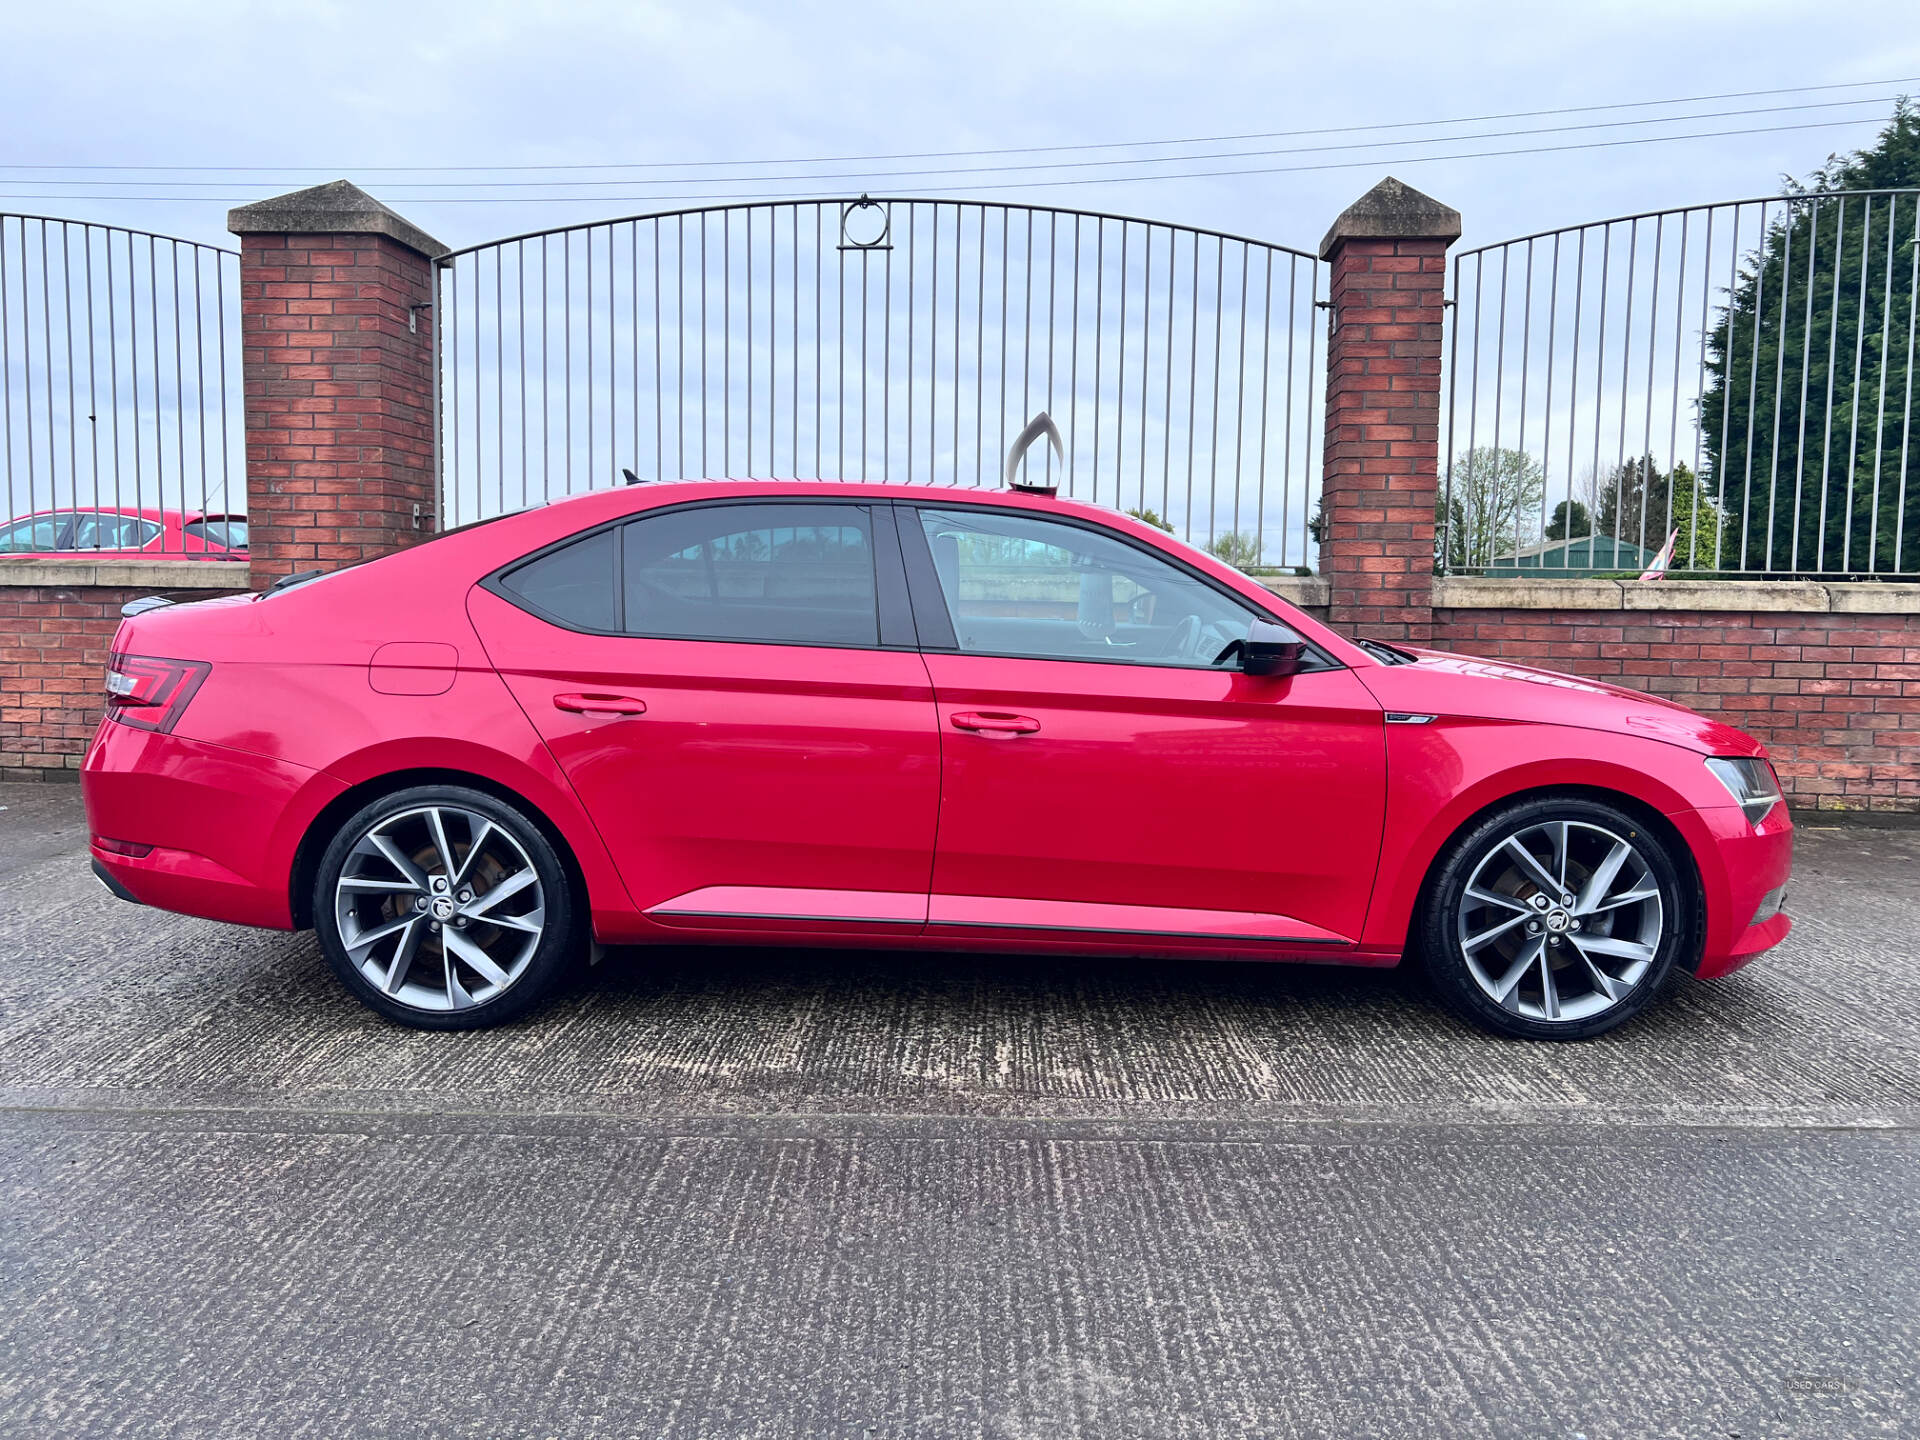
994 722
600 704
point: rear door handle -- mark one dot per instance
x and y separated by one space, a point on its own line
601 704
994 722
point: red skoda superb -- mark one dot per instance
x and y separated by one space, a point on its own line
840 714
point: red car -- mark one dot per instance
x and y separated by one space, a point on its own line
127 532
851 714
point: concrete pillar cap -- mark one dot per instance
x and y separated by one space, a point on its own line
1393 210
338 207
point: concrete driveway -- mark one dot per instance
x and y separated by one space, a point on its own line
766 1193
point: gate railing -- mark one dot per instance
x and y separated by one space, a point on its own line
893 339
1736 378
120 393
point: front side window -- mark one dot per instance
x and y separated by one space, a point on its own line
37 533
1027 586
798 573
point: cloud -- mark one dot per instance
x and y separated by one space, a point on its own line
346 86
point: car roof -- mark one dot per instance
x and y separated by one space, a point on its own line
668 491
141 512
591 507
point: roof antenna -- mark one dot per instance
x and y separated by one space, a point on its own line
632 479
1040 424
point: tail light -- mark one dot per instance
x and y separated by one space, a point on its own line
149 693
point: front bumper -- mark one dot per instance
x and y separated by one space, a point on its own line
224 824
1740 866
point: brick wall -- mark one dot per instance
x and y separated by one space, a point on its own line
1834 697
54 641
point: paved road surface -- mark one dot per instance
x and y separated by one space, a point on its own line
740 1194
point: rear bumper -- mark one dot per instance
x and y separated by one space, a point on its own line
224 824
1740 867
105 877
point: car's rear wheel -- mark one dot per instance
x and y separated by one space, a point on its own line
1555 919
444 908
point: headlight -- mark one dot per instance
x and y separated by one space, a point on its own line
1750 782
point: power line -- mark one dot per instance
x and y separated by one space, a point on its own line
866 177
1023 184
1014 150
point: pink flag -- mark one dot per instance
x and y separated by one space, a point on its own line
1660 562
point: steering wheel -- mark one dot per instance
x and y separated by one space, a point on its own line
1184 639
1210 642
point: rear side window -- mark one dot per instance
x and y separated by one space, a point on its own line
572 585
797 573
104 530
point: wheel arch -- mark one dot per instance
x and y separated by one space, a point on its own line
1650 816
331 816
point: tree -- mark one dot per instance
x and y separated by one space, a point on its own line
1236 548
1818 486
1486 493
1641 506
1559 529
1700 521
1151 517
1623 501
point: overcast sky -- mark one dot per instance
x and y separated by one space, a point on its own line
347 87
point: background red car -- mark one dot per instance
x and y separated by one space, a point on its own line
888 715
127 531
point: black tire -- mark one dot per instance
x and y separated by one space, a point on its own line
1588 991
432 992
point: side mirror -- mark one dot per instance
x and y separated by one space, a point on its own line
1269 649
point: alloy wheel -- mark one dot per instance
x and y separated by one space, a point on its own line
439 907
1561 921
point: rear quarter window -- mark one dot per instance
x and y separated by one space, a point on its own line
572 585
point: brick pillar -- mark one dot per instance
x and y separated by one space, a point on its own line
338 364
1381 469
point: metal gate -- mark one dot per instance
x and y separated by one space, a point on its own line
1736 378
895 339
119 383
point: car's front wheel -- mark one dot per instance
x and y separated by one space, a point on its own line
1555 919
444 908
